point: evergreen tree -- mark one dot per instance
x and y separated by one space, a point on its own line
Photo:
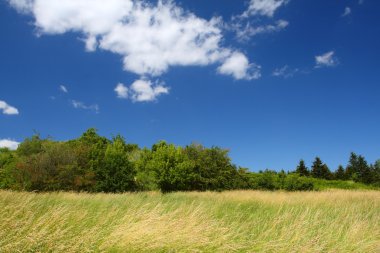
320 170
376 172
316 168
340 173
364 171
326 173
352 167
302 170
358 169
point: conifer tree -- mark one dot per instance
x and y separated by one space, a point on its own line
351 169
364 171
340 173
316 168
320 170
302 170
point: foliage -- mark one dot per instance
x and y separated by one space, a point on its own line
302 170
94 163
359 170
339 173
30 146
322 184
117 173
294 182
7 163
320 170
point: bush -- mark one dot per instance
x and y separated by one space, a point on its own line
294 182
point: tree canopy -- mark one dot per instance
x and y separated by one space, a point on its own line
94 163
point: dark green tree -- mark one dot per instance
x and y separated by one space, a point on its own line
363 171
340 173
93 147
320 170
326 172
358 169
376 173
214 168
118 173
302 170
352 167
316 168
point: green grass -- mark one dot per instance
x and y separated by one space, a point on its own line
238 221
322 184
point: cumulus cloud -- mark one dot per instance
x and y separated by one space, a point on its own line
7 109
80 105
347 11
141 90
264 7
121 90
7 143
63 89
239 67
326 60
146 91
149 37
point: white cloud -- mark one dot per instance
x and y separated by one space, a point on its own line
245 33
239 67
80 105
247 24
22 6
285 72
326 60
264 7
347 11
6 143
91 43
63 89
7 109
121 90
150 37
141 90
146 91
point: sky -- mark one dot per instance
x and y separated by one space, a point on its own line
273 81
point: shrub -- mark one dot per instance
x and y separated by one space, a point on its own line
294 182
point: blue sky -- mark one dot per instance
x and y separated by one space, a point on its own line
272 80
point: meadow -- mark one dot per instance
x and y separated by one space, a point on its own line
231 221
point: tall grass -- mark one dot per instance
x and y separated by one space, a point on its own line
238 221
323 184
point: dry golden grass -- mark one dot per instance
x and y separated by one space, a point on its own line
238 221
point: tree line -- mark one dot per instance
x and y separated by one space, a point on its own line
357 170
93 163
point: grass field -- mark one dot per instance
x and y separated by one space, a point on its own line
240 221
